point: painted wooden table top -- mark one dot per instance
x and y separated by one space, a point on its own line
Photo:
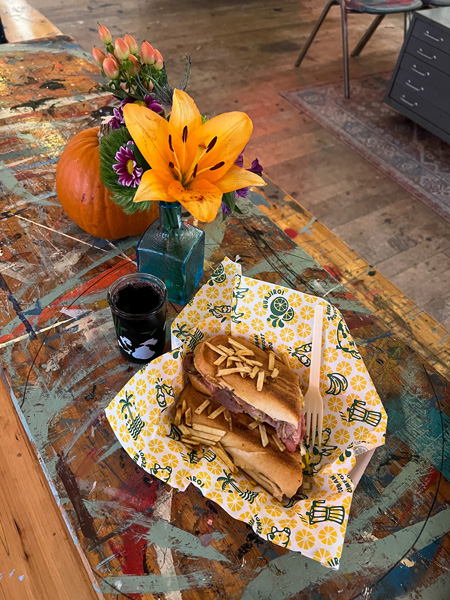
59 355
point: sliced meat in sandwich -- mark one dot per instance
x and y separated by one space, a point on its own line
246 379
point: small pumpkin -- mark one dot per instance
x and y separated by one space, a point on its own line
84 197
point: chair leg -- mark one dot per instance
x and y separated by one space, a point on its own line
367 35
313 33
345 48
3 39
407 23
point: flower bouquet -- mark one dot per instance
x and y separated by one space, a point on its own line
158 147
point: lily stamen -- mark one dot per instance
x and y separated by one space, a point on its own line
201 151
178 166
184 139
211 144
215 167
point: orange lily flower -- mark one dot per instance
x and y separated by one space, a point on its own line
191 162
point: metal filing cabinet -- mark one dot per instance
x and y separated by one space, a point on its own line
420 85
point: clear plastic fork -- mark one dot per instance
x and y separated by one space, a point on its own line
313 408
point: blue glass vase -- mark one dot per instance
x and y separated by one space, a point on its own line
174 251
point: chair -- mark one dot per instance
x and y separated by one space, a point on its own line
376 7
373 26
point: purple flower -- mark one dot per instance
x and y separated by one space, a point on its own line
255 168
126 167
242 193
118 121
239 162
148 101
225 209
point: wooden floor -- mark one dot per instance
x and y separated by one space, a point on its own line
243 54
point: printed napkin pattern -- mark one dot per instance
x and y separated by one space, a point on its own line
275 317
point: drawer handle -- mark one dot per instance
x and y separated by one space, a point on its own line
413 87
403 99
422 53
416 70
428 35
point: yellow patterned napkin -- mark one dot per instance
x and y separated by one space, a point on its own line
354 418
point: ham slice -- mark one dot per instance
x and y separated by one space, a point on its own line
289 435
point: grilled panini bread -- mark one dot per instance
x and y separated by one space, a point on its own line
269 391
277 471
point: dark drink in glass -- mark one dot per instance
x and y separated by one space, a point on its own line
138 304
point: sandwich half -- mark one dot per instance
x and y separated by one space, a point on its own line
276 470
246 379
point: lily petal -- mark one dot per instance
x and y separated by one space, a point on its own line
150 133
185 119
237 178
202 199
184 114
153 186
232 131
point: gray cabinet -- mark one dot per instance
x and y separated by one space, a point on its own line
420 85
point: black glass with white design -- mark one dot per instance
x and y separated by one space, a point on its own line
138 303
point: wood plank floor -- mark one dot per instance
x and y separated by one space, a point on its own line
243 55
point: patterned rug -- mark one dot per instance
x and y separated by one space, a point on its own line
416 159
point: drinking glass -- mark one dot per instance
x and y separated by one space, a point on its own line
138 303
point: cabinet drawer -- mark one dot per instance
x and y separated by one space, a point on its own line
432 34
412 101
425 73
417 87
428 54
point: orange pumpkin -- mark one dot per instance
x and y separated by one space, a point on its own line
84 197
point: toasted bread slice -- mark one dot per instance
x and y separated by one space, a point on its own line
280 398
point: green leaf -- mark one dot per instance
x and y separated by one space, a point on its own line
230 200
120 194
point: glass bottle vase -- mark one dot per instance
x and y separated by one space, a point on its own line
174 251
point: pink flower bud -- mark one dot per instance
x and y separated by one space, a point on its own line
132 44
104 35
159 63
147 53
98 56
121 49
134 70
111 68
116 61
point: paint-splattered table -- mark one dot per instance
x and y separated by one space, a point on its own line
60 358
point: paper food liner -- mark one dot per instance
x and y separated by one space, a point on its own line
354 418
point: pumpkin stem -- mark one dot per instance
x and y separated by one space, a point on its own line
105 129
